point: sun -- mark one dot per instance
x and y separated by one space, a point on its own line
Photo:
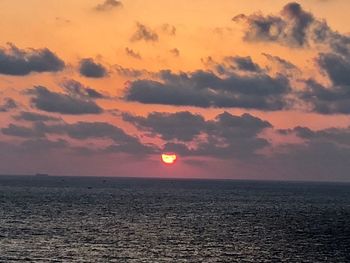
169 158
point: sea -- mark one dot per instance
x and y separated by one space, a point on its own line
95 219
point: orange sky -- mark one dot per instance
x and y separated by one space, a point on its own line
74 30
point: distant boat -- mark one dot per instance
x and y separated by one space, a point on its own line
41 175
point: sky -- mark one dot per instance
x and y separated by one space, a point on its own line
237 89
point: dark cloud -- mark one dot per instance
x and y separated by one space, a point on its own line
332 100
293 27
183 126
76 89
129 72
237 136
323 155
281 62
21 131
8 105
223 137
108 5
33 117
134 148
51 101
244 63
121 141
144 33
290 28
338 136
19 62
90 69
132 53
232 65
336 67
206 89
335 97
87 130
298 28
178 148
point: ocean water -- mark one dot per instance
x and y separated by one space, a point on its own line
72 219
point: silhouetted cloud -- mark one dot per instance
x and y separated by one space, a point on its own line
119 140
337 68
132 53
334 100
244 63
8 104
89 68
183 126
22 131
33 116
108 5
205 89
339 136
129 72
144 33
223 137
122 142
293 27
51 101
77 89
322 155
280 62
19 62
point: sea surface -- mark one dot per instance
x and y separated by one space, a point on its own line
81 219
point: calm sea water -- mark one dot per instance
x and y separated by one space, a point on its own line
63 219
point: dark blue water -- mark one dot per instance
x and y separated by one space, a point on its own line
62 219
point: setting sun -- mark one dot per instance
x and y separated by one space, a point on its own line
169 158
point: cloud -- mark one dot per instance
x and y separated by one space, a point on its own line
323 155
206 89
122 142
86 130
51 101
144 33
19 62
108 5
21 131
293 27
76 89
281 62
132 53
223 137
129 72
334 100
119 141
33 117
183 126
90 69
244 63
168 29
8 105
337 136
237 136
175 52
336 67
